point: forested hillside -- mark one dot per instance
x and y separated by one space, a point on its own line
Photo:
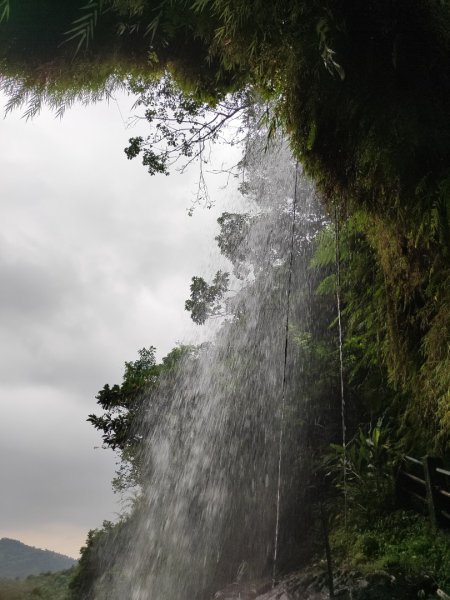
19 560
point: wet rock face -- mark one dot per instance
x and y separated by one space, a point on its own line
312 584
300 586
243 591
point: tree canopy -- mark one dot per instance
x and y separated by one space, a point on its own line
123 407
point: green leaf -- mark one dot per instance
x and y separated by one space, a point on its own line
4 10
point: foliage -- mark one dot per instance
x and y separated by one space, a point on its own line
364 473
401 542
182 124
48 586
389 321
82 29
4 8
234 231
92 562
122 418
120 401
325 66
84 51
363 94
205 299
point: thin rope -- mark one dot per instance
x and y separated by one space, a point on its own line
283 385
341 362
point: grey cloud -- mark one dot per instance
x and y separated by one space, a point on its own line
31 289
95 262
49 470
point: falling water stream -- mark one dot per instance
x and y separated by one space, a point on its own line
283 384
217 432
341 367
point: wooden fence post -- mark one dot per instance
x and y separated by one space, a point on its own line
432 480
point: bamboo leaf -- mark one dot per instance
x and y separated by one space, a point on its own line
4 10
83 27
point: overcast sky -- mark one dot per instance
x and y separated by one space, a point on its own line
96 258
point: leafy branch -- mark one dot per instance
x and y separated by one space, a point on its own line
205 300
183 126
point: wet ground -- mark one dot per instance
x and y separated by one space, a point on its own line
312 584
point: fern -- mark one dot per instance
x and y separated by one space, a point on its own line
325 252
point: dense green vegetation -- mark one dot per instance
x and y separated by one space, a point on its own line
122 407
399 543
48 586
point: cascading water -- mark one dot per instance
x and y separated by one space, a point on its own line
210 433
284 381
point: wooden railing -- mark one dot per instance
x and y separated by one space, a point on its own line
424 486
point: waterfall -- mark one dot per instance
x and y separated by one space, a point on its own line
208 508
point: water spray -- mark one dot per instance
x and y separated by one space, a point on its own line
283 385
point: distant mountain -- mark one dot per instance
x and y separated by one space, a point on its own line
20 560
